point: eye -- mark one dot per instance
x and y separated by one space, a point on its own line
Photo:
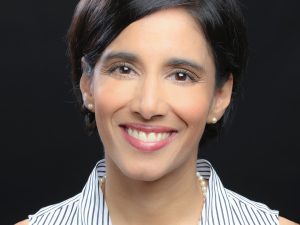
121 70
183 76
180 76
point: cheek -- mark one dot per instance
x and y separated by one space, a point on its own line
109 95
193 112
192 106
106 97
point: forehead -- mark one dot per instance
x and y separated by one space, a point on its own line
170 32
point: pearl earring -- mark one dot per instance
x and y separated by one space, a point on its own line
214 120
90 106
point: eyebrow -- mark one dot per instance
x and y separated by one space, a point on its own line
119 55
184 62
134 58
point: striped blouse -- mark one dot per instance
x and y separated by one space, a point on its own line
222 206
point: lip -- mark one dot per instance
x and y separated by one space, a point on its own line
147 146
148 128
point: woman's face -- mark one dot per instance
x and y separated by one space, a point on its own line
154 91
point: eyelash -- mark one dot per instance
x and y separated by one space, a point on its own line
193 78
189 75
117 66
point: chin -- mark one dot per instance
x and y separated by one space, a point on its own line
143 171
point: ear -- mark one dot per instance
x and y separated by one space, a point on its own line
221 101
86 89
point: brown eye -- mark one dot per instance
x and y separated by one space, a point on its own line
180 76
124 70
183 77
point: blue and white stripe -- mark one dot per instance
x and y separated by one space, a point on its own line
222 206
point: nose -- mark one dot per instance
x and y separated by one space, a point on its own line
149 100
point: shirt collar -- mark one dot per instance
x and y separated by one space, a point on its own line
217 205
92 208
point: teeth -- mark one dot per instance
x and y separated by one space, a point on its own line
159 136
164 135
142 136
150 137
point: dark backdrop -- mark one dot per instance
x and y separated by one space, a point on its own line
46 158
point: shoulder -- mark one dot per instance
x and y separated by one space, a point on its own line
244 204
55 212
284 221
246 211
24 222
242 201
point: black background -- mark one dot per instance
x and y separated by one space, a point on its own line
46 157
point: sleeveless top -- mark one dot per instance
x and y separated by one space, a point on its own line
222 206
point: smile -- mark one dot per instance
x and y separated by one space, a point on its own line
147 138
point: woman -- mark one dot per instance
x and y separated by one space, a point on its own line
157 80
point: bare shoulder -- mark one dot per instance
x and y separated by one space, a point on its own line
24 222
284 221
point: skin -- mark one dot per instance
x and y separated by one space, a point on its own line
165 179
143 91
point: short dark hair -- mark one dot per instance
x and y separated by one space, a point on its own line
96 23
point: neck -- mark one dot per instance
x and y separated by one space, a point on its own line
174 199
